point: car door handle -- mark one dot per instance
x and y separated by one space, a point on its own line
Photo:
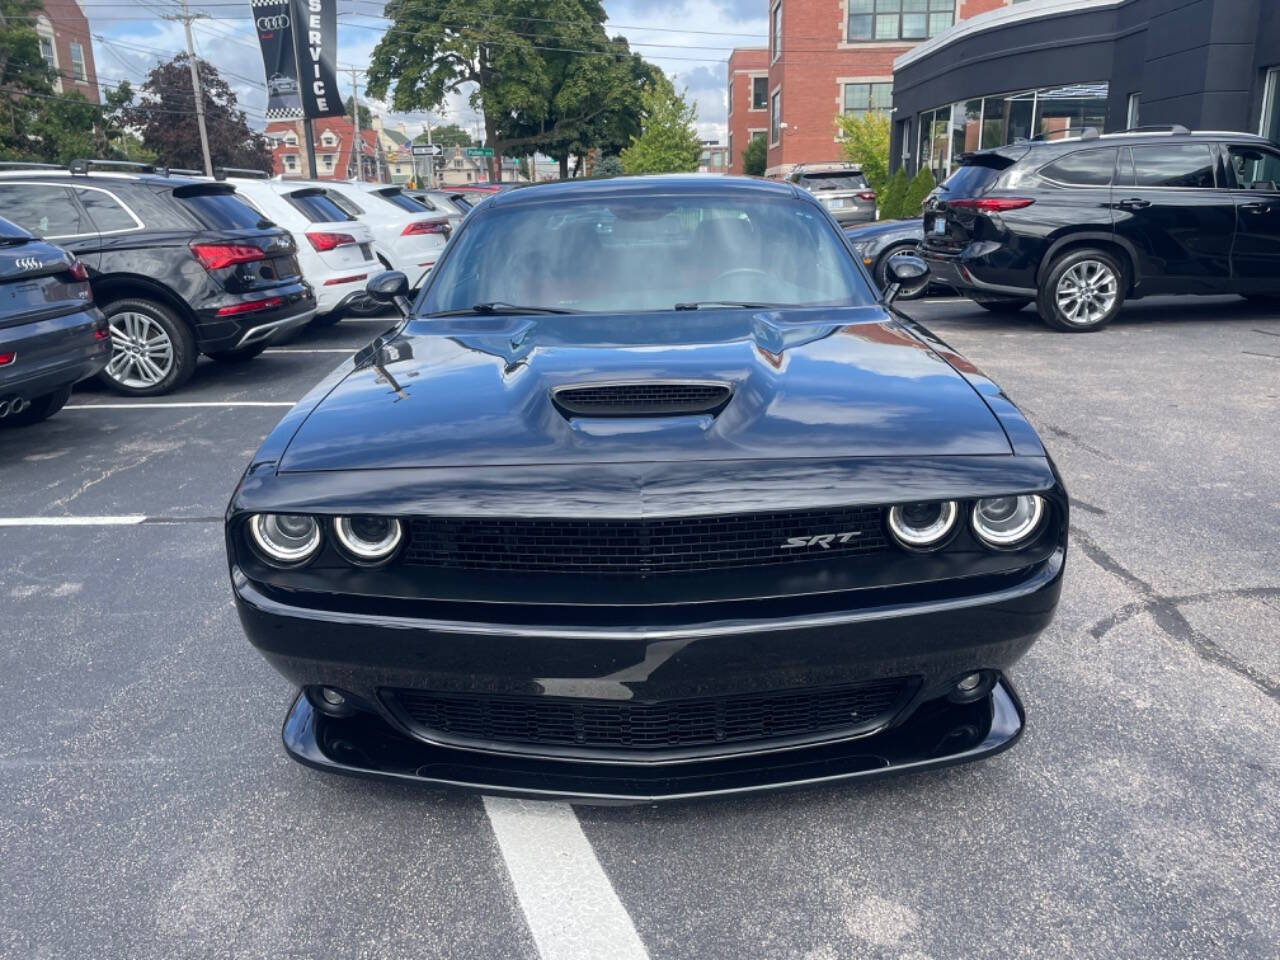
1134 203
1257 207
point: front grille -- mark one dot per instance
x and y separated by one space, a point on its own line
675 724
643 547
646 399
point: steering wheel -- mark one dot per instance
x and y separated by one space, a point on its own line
745 271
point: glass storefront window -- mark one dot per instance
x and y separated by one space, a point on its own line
1270 126
1066 111
994 110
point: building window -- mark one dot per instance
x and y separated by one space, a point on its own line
1270 125
756 134
898 19
326 162
46 51
759 93
77 62
291 139
775 118
864 98
777 33
1135 105
328 139
291 164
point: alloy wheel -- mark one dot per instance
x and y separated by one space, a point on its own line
1087 292
141 351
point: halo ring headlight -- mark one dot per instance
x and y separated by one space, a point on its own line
285 539
1004 522
368 539
923 526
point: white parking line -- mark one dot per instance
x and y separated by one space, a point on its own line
123 520
311 350
569 903
947 300
178 406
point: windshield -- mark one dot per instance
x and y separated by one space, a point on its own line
647 253
836 180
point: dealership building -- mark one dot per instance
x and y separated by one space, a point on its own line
1051 68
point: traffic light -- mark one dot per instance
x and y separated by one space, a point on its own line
438 163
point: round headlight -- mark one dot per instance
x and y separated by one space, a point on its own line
368 539
922 526
285 538
1007 521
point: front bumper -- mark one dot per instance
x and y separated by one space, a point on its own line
938 734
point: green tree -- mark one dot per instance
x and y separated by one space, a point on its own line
921 185
165 118
668 142
865 141
893 197
755 157
447 135
366 117
607 167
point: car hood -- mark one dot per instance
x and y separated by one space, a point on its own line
911 229
812 383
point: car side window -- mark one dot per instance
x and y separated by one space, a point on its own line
1185 165
47 211
1084 168
105 211
344 203
1255 168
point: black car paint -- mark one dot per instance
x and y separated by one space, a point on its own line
1171 240
506 450
48 322
155 261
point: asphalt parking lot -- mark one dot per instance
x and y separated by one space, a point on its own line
148 810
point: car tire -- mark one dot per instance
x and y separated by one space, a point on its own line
364 307
323 320
167 341
882 272
239 354
41 408
1082 291
1002 304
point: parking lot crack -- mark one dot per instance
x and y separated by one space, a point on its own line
1169 618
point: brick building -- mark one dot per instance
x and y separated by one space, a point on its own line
67 48
825 57
335 137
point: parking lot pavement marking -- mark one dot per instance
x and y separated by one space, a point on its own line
571 907
123 520
311 350
174 406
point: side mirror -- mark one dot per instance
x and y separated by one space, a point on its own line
905 270
391 287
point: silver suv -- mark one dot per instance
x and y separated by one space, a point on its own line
841 187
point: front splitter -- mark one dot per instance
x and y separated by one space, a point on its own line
937 734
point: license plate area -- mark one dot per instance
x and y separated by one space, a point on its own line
939 226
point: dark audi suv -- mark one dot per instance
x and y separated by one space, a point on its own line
1079 226
651 496
180 267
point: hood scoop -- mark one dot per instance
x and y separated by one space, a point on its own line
642 398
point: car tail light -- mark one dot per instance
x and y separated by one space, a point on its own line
251 306
215 256
79 272
990 204
340 280
101 334
424 226
324 242
7 358
867 195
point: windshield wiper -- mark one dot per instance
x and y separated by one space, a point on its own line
497 306
745 304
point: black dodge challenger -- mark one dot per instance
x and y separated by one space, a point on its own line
650 496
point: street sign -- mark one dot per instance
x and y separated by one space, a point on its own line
479 151
427 150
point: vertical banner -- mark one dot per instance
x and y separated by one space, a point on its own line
274 22
315 37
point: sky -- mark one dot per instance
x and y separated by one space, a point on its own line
689 39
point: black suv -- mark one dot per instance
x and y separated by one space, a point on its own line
179 266
1081 225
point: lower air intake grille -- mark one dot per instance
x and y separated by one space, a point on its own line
610 725
645 399
643 547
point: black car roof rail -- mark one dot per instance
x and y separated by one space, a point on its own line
25 165
221 173
186 173
82 165
1173 129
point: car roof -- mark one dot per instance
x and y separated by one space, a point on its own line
655 185
101 177
1127 137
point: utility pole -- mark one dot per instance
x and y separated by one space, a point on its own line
355 111
431 160
186 19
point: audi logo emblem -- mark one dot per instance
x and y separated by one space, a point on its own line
278 22
28 263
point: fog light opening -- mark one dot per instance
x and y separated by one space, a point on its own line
332 702
972 686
